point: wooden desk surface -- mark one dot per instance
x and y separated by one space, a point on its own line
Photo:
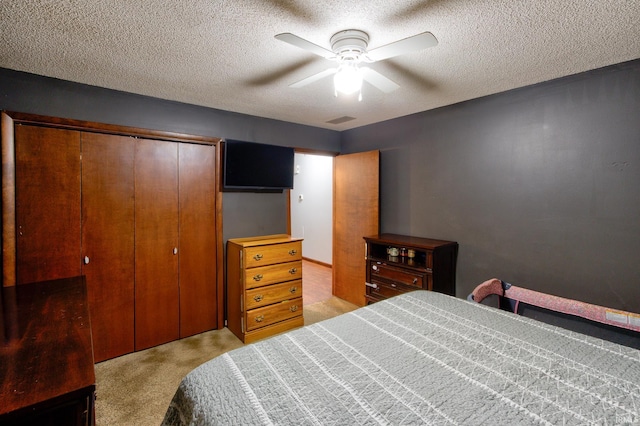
45 343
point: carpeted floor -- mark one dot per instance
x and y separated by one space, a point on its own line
135 389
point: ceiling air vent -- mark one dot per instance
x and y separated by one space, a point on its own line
341 120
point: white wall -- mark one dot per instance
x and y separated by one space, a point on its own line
312 205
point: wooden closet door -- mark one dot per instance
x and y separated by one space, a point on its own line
108 241
356 194
197 259
156 234
47 203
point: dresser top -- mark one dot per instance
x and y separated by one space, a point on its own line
263 240
46 349
409 241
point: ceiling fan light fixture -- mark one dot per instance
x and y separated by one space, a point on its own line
348 79
349 49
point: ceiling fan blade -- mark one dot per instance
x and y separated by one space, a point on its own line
313 78
294 40
378 80
400 47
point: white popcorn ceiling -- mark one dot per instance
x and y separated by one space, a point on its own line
223 54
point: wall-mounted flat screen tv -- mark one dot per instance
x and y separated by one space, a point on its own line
256 167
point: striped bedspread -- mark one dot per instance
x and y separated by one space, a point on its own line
420 358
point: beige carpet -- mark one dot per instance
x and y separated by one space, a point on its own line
135 389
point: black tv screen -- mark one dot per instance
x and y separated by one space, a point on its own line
250 166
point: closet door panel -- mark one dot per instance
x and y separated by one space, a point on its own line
197 260
47 203
156 243
108 241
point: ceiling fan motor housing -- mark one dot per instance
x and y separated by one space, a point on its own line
349 45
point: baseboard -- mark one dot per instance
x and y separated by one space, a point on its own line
316 262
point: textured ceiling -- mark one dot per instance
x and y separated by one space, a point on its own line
223 54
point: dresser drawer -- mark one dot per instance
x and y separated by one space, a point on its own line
267 295
381 289
266 275
398 275
271 314
270 254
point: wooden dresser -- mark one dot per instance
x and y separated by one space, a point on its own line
264 285
46 359
400 263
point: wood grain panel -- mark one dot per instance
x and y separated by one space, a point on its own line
265 275
108 240
356 215
267 315
272 293
156 228
8 201
47 365
271 254
47 203
198 248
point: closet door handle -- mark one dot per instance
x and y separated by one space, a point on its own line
175 250
86 260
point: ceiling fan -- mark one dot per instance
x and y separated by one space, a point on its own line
349 50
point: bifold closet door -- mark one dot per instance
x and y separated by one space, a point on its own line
47 203
198 295
108 241
156 243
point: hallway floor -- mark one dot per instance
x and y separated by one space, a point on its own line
317 282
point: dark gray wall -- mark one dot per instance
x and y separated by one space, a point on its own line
540 185
244 214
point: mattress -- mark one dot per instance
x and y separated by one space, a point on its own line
418 358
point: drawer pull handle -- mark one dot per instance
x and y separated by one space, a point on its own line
258 298
292 290
292 271
293 252
258 256
260 318
257 277
415 280
371 285
293 308
393 285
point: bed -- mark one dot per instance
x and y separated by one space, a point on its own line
418 358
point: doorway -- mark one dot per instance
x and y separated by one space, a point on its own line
311 218
332 208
